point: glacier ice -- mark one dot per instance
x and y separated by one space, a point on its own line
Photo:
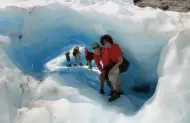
36 34
171 98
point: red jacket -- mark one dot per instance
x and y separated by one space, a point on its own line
106 61
115 52
89 55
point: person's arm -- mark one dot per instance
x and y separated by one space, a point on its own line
97 61
91 54
99 67
119 62
86 52
120 56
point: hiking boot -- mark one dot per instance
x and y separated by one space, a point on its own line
111 93
90 67
80 64
120 92
68 65
114 96
102 91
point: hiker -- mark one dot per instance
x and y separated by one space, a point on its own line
89 57
101 55
68 58
76 54
120 65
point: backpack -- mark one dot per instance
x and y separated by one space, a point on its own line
75 51
124 66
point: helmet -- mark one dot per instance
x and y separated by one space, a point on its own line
95 45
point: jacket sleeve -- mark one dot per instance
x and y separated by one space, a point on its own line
117 50
86 52
97 61
91 55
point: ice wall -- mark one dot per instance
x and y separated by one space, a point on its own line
15 87
171 101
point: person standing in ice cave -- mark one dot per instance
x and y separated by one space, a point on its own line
89 57
101 54
120 65
68 59
76 54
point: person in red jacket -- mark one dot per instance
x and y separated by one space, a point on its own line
102 55
89 57
120 64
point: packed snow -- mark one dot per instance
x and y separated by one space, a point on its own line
36 86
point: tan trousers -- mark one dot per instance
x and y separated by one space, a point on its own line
77 58
102 81
114 78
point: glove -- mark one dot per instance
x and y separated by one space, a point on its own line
102 91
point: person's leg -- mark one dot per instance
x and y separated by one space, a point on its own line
68 59
119 90
75 62
113 77
90 64
79 59
106 78
109 84
102 80
118 84
67 56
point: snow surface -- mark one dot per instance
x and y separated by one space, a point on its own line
36 86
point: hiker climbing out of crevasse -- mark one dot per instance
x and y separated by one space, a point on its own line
101 55
119 65
89 57
68 59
